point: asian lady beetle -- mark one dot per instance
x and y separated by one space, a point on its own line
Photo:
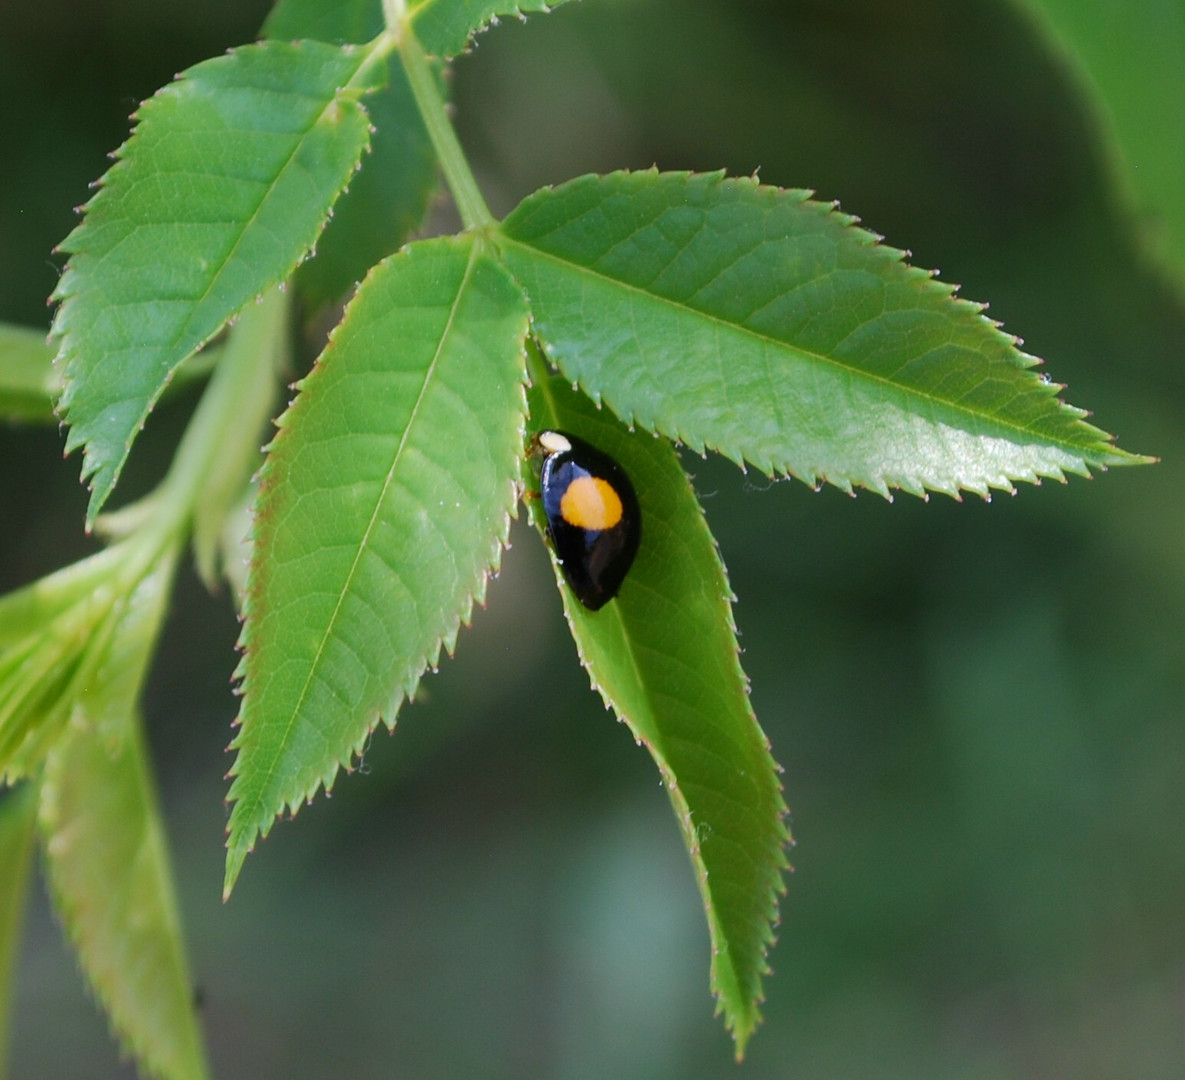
592 513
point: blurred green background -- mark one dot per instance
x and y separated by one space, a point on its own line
978 706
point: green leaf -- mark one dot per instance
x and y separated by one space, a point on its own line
340 22
221 190
384 505
47 630
663 654
445 27
28 381
755 322
79 638
17 819
1130 60
107 858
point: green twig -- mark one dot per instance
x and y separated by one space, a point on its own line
457 174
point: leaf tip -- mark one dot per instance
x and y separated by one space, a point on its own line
238 847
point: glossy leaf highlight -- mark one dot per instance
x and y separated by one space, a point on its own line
753 321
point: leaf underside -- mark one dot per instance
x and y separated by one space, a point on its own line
663 655
46 630
753 321
221 190
384 505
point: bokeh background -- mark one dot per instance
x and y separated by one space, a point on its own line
978 705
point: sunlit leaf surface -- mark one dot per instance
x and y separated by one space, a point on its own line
753 321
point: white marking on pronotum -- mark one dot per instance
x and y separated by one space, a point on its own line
553 442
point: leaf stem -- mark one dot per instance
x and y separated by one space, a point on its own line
227 413
457 174
395 14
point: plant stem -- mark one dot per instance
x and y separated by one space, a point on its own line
457 174
394 14
231 412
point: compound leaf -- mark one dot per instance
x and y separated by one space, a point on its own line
221 190
386 201
758 323
384 505
663 655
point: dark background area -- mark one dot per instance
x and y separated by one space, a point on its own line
978 705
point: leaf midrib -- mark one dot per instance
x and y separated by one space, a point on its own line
1096 447
169 349
363 543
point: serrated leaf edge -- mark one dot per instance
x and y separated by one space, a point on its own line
741 1025
66 357
500 537
926 280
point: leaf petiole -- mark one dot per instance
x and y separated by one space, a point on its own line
457 174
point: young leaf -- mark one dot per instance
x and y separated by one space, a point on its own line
28 382
445 27
107 863
1130 58
384 505
261 332
17 819
663 654
47 630
221 190
755 322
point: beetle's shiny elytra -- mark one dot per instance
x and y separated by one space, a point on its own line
592 514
